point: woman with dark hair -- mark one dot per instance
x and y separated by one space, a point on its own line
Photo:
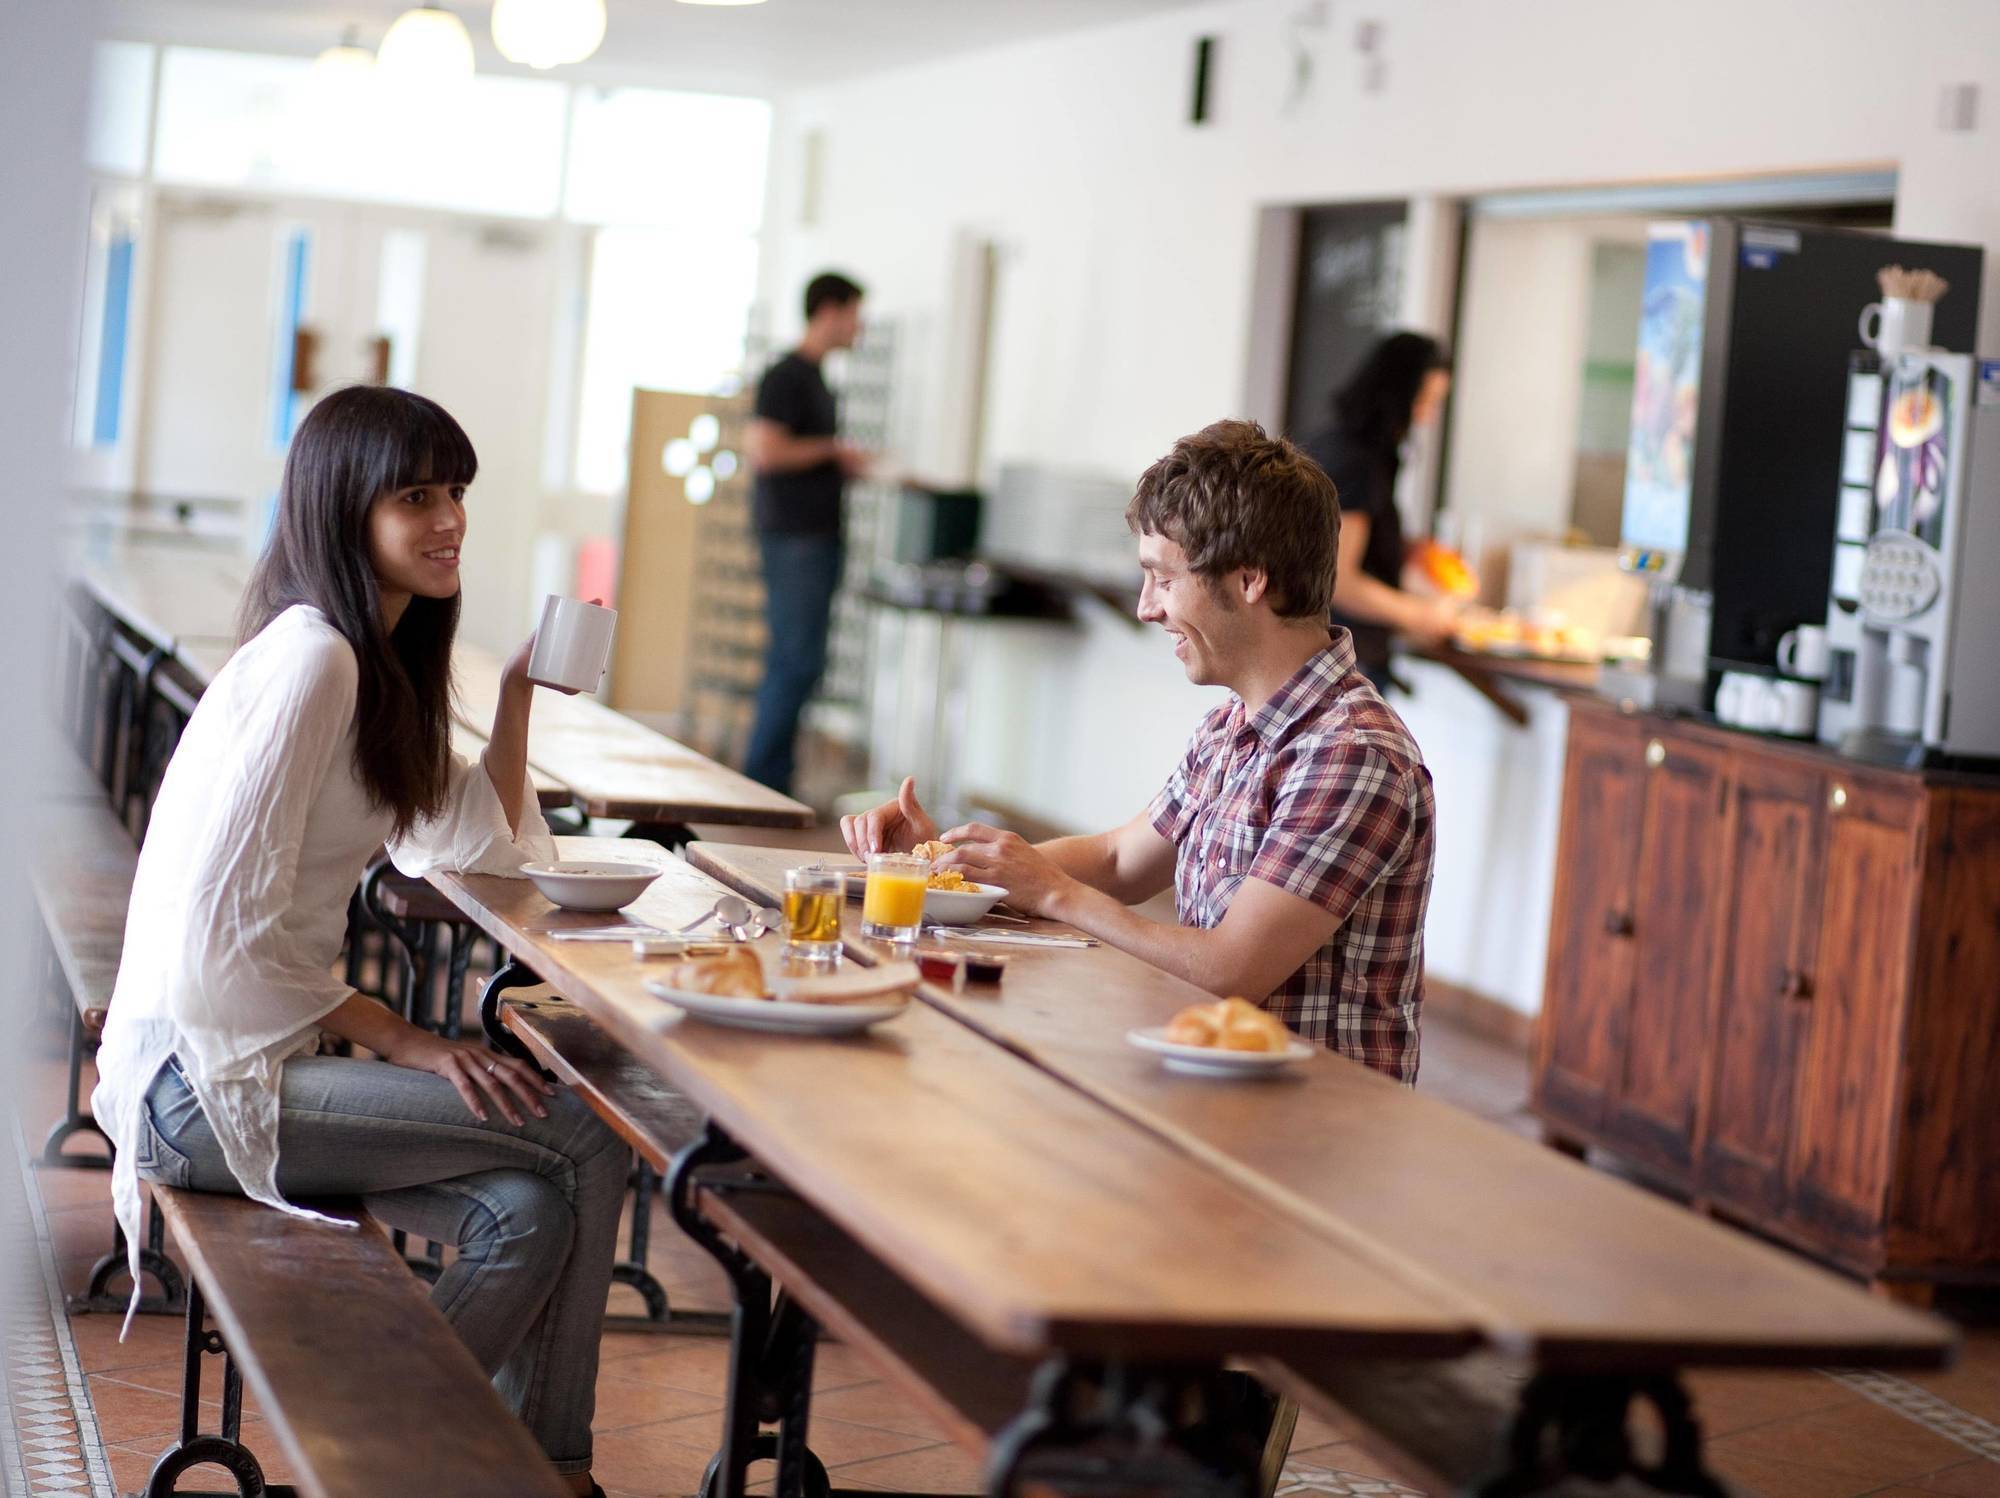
327 734
1399 387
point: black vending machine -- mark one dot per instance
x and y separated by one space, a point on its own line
1732 485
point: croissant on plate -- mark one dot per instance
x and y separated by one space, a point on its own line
736 974
1228 1025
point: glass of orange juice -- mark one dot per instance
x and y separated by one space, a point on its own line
813 898
892 909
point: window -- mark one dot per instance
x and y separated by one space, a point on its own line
653 157
668 311
236 119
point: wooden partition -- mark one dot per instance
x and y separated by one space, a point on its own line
683 546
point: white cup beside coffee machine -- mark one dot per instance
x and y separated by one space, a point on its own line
1767 704
572 645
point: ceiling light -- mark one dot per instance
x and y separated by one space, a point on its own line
547 33
426 47
348 60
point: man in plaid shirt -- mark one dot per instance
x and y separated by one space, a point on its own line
1297 829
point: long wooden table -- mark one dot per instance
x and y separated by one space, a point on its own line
1037 1218
616 767
1010 1159
1552 1260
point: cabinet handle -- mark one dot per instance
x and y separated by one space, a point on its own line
1618 923
1656 754
1796 985
1837 797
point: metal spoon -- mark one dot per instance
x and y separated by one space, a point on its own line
763 918
730 909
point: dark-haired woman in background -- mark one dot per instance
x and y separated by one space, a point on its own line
1399 387
327 734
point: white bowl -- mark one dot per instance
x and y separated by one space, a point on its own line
961 907
577 885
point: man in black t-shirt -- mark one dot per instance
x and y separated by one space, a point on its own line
801 471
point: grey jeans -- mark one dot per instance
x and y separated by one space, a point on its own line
533 1211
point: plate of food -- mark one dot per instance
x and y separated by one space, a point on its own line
951 899
732 990
1228 1038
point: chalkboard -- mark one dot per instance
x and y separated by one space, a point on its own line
1349 293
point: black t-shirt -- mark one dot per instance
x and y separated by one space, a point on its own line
1366 479
806 501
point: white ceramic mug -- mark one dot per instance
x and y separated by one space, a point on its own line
1797 705
1907 683
573 645
1901 326
1805 652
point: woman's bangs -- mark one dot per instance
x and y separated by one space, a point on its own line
431 448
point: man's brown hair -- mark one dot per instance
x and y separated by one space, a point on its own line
1233 497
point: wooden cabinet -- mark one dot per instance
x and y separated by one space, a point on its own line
1774 984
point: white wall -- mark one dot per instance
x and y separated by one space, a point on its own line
1130 239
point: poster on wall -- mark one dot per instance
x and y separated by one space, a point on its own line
1659 458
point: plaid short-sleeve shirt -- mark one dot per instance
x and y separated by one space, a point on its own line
1323 793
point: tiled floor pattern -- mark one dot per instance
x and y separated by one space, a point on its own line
1787 1435
49 1441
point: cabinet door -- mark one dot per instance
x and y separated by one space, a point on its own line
1764 989
1589 985
1676 911
1844 1117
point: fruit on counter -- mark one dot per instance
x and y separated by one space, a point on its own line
1511 632
1444 569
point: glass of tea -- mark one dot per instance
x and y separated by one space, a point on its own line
812 913
892 909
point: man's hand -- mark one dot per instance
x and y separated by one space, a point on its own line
1033 883
854 461
893 827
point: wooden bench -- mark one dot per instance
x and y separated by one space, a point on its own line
648 1114
363 1383
81 872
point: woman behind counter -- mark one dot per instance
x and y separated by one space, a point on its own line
1399 387
326 735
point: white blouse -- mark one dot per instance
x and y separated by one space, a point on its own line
259 834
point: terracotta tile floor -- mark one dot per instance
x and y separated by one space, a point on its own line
1791 1435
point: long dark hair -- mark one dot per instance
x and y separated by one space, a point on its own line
354 446
1375 404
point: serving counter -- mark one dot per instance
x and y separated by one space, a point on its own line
1774 983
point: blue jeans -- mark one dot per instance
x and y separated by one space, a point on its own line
533 1211
801 574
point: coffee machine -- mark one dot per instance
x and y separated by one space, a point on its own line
1913 611
1742 347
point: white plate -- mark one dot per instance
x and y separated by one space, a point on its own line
1212 1061
776 1017
961 907
576 884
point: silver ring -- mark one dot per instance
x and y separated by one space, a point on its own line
492 1066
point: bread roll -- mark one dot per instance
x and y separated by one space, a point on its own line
1194 1025
1230 1025
736 974
1245 1027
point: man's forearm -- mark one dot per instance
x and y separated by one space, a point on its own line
1198 956
791 454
